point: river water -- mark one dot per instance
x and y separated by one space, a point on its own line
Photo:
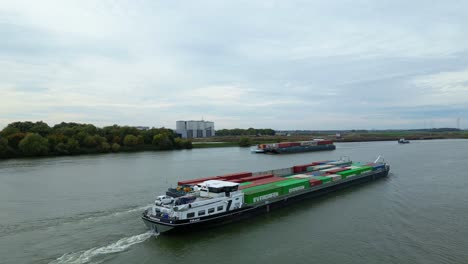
87 209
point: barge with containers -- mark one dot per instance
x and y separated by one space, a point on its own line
294 147
210 201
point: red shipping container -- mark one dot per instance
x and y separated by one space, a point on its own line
237 181
263 181
234 176
256 178
301 168
314 182
336 170
324 142
195 181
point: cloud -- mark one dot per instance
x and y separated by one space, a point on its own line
296 64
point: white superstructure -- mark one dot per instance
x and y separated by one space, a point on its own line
211 197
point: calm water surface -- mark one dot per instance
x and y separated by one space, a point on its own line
86 209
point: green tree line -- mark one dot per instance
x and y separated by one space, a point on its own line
26 139
245 132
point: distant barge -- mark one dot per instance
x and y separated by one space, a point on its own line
210 201
294 147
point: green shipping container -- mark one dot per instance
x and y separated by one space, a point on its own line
260 187
323 179
293 185
365 168
261 194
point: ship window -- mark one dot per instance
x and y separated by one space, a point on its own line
220 208
202 212
211 210
190 215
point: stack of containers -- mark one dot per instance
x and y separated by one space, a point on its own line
260 193
299 176
303 167
319 167
324 142
315 173
252 178
293 185
334 171
195 181
340 163
323 179
353 172
226 177
234 176
263 182
314 182
334 177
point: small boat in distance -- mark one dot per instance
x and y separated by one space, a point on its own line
294 147
403 141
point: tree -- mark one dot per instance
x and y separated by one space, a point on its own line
73 145
9 131
55 139
90 141
14 139
141 140
180 143
104 147
115 147
162 142
130 140
34 145
40 128
245 142
61 148
3 147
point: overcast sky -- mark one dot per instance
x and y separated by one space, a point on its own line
276 64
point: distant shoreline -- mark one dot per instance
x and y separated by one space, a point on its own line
233 141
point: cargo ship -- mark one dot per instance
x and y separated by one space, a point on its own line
294 147
206 202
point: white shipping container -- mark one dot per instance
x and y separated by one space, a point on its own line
301 176
321 167
339 162
332 168
308 143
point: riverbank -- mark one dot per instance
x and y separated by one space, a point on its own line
211 142
229 141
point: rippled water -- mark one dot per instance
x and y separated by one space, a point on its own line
86 209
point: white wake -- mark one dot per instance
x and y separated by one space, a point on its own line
89 255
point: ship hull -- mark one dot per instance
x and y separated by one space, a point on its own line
161 226
299 149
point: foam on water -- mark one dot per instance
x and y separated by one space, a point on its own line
92 255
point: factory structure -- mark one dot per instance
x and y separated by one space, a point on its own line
195 129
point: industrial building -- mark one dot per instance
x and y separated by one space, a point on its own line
195 129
